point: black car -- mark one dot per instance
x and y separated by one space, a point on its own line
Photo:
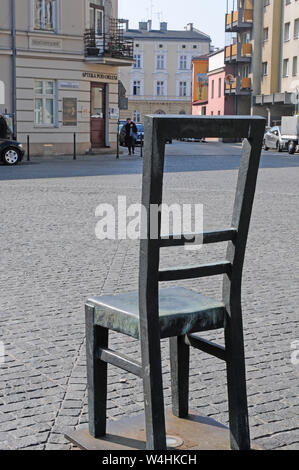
11 152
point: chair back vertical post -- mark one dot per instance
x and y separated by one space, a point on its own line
152 188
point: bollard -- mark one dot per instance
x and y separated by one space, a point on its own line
75 148
28 148
117 141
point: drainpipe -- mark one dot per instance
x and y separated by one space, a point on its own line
13 70
269 116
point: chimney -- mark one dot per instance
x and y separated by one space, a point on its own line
189 27
149 25
143 26
163 26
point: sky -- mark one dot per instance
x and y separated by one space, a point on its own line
207 15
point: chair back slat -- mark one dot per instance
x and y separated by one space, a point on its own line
204 238
193 272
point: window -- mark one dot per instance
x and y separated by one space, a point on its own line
296 29
183 89
219 88
266 2
295 66
44 102
138 62
266 34
286 67
183 62
265 68
288 2
96 20
287 31
136 88
212 91
160 88
160 63
45 14
136 117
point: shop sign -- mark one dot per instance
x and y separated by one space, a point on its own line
38 43
71 85
100 76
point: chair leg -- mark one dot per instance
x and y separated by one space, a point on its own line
153 393
236 383
179 364
96 337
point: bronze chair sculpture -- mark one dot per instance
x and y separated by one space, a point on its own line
178 313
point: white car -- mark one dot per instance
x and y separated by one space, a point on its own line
274 140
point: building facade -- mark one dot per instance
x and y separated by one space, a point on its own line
213 99
238 53
276 96
263 48
160 81
59 65
200 84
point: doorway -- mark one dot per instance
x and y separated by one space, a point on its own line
97 115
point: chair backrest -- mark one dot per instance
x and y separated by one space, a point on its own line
159 129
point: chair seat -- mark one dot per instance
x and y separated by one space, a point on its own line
181 311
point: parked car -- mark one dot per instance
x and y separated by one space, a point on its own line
11 152
273 139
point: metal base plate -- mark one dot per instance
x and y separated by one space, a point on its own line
194 433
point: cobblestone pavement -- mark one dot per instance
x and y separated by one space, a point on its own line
51 262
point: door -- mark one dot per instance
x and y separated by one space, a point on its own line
97 117
97 25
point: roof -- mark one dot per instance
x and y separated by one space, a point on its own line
193 35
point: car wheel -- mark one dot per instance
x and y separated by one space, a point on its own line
278 147
11 156
265 146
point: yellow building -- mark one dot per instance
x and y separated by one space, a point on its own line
263 45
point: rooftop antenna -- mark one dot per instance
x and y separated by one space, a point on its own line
159 15
151 9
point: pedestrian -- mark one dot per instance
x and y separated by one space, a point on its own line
4 129
130 135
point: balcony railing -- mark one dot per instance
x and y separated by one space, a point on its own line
242 18
238 52
239 86
112 45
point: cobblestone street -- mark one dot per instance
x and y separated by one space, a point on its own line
51 262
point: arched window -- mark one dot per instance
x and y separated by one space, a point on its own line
160 111
182 112
2 93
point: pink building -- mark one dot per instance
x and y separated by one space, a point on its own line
218 102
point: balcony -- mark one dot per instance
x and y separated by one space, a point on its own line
238 20
109 49
239 86
238 52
